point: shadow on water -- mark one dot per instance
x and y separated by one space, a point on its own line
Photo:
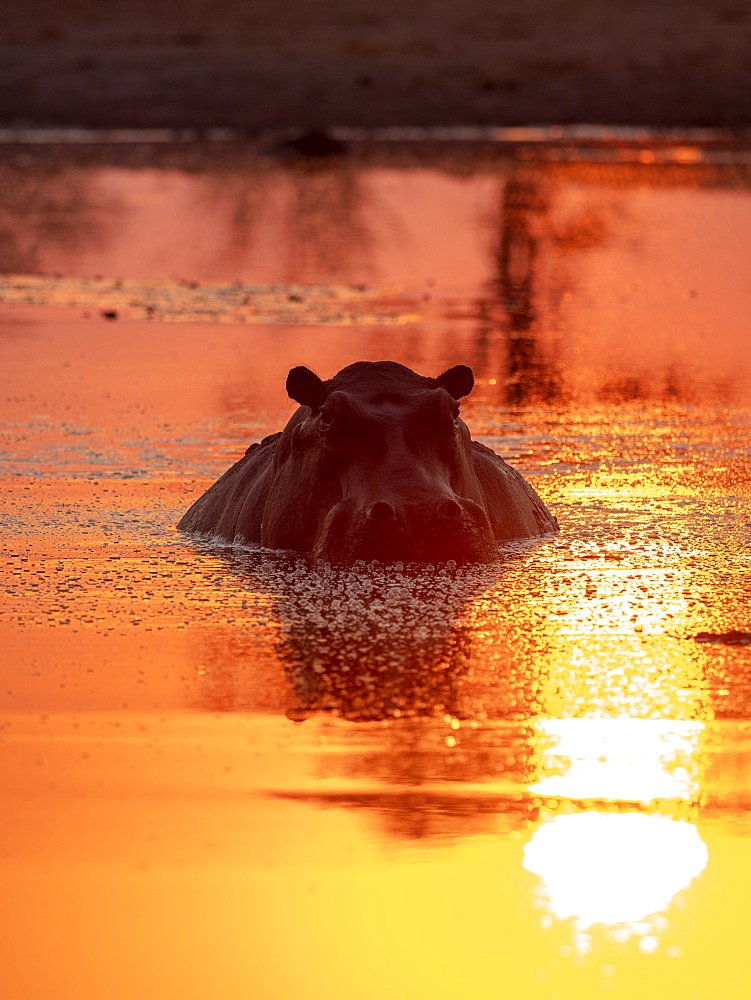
373 642
402 651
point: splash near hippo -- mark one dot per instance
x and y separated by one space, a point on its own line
376 463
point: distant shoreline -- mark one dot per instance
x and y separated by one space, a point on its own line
257 64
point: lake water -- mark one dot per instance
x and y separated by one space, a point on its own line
228 774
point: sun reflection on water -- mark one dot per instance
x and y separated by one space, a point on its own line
614 868
619 868
622 759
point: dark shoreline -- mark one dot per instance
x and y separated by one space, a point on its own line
259 65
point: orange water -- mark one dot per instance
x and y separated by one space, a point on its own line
225 774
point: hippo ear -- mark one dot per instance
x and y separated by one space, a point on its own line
457 381
305 387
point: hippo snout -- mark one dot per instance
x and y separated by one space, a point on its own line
382 510
392 530
448 508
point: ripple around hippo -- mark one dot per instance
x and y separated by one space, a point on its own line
376 463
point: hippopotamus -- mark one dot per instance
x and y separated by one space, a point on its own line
375 464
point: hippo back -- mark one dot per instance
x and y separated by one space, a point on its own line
513 507
233 508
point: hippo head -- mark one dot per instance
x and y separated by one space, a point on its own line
380 465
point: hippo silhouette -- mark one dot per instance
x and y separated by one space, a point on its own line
376 463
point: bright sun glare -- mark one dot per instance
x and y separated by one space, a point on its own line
621 759
614 868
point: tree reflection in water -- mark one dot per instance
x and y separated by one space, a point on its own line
520 259
51 208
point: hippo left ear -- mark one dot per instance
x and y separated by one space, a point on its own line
305 387
457 381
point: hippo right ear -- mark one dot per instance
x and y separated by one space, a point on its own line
457 381
305 387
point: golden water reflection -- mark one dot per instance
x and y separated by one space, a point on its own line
615 869
616 865
265 779
568 283
619 759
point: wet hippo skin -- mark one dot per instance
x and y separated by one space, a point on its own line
376 463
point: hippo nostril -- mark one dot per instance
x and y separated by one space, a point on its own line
382 510
450 508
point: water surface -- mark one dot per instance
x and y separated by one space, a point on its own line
229 773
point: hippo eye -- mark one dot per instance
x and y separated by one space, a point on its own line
325 417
